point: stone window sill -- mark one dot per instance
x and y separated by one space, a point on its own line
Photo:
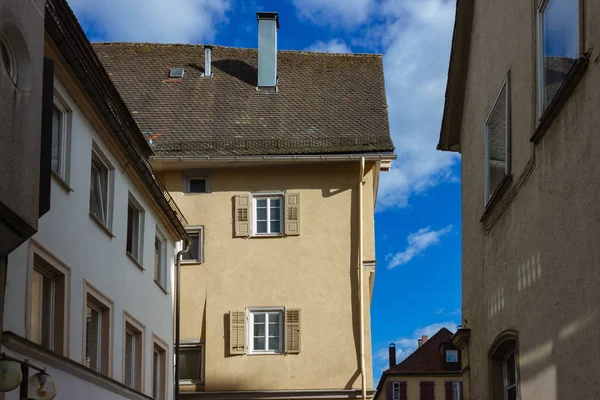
101 225
496 197
133 260
61 182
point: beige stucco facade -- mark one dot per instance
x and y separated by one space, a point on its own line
315 272
413 383
531 264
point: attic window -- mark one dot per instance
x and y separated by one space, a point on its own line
176 73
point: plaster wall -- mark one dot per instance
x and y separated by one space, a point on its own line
413 388
536 271
315 272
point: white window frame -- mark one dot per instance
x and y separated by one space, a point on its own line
108 209
138 239
513 353
200 345
193 230
160 275
269 196
51 307
396 391
456 391
250 319
99 338
64 138
197 175
488 193
130 374
540 50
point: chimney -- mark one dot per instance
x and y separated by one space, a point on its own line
207 61
420 342
268 24
424 339
392 351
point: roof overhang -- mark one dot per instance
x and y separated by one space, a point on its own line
163 163
457 77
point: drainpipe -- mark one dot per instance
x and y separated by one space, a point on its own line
360 279
178 317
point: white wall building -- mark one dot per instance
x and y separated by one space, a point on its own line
90 296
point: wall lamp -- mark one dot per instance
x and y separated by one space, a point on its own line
14 373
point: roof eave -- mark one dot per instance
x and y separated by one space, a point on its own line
457 77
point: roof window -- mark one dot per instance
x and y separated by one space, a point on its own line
176 73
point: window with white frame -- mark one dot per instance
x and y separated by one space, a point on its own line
100 188
98 326
60 139
267 214
196 251
197 182
456 391
191 360
266 330
510 376
135 223
497 142
559 46
160 259
396 391
159 369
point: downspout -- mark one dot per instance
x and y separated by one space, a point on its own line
177 317
361 296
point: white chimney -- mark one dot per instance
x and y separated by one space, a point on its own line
268 24
207 61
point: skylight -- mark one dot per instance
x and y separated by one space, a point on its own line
176 73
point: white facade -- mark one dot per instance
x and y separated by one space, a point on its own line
71 235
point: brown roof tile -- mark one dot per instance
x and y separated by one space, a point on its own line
326 103
426 359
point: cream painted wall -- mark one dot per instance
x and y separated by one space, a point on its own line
413 386
70 234
316 272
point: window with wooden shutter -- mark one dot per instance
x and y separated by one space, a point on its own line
448 390
237 332
242 216
403 391
292 331
292 214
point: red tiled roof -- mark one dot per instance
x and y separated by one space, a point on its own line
426 359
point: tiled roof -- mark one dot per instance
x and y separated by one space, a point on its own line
325 103
426 359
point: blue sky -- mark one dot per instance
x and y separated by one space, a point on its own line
417 287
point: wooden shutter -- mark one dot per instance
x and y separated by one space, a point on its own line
403 391
292 331
461 391
390 390
242 216
237 332
292 214
449 392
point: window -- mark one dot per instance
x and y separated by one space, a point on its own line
396 392
159 369
452 356
456 391
135 223
99 189
8 57
196 252
504 367
266 331
98 328
191 361
558 23
160 259
48 292
197 182
496 143
133 353
60 139
267 215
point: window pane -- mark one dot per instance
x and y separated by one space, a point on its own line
261 202
261 214
275 213
561 43
197 185
95 205
56 133
259 329
496 131
259 343
156 375
275 202
194 248
274 343
132 223
37 306
510 370
129 357
274 317
92 335
275 226
157 259
190 360
511 394
259 317
261 226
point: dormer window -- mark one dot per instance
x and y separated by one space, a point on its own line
451 356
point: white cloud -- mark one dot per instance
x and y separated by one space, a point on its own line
189 21
439 311
348 13
405 346
416 39
418 242
332 46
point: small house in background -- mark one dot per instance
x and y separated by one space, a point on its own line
432 372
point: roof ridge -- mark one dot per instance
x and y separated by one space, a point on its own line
133 44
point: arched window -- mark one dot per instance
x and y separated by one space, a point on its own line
504 366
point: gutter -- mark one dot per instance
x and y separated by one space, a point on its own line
178 318
361 296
